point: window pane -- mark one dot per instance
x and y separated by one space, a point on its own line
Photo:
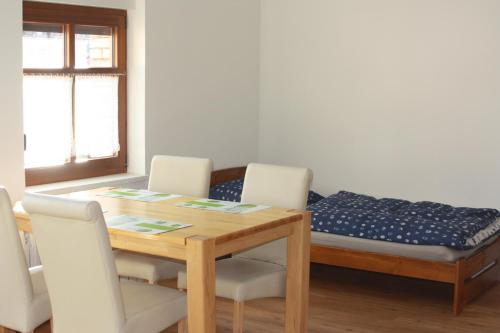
43 45
47 120
96 117
93 47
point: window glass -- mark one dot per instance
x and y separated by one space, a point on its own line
96 117
47 120
43 46
93 47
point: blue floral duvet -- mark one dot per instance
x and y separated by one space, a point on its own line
231 191
393 220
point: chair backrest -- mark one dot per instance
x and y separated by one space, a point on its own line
278 186
16 289
79 267
181 175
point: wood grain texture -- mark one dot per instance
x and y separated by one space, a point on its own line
470 277
345 300
225 175
6 330
474 288
182 326
220 226
201 284
255 239
297 277
383 263
482 259
458 288
238 317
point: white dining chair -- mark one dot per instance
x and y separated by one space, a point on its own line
84 287
25 302
260 272
187 176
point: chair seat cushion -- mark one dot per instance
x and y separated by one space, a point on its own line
38 280
145 267
242 279
40 310
151 309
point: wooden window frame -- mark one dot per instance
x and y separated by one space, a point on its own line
69 16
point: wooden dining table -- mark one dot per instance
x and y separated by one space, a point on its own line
212 235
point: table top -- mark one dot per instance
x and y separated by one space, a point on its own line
219 226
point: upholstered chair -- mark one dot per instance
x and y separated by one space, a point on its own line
84 287
260 272
25 302
188 176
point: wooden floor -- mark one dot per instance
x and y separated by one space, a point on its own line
352 301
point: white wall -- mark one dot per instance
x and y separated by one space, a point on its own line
11 126
202 73
136 106
389 97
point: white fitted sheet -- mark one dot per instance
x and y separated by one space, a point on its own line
426 252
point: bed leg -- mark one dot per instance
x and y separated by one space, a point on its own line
458 293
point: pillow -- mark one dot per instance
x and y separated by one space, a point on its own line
231 191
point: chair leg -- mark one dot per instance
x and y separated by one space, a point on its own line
182 326
52 325
238 317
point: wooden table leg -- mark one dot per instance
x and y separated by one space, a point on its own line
200 257
6 330
297 292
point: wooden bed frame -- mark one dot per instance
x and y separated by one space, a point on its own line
470 276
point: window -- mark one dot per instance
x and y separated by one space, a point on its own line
75 87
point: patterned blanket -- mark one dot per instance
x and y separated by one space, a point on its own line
393 220
231 191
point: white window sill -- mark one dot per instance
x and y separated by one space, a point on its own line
124 180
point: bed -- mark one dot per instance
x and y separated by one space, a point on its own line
471 268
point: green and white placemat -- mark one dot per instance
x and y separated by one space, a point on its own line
143 225
222 206
138 195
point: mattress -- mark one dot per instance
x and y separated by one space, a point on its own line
422 223
425 252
